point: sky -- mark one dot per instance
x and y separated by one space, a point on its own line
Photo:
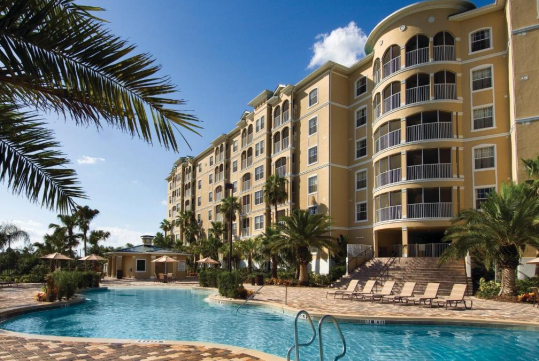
220 54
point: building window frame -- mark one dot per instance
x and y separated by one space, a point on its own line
260 174
366 179
234 166
359 148
360 212
481 68
309 162
311 127
356 88
310 97
259 222
470 41
364 117
481 107
137 265
476 199
259 197
315 186
484 146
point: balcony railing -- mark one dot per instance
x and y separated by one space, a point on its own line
387 140
218 197
418 94
249 138
286 116
418 56
281 171
388 213
430 210
219 177
438 130
377 111
246 208
392 102
276 147
219 217
276 121
427 250
444 52
429 171
376 77
445 91
392 66
246 185
286 143
388 177
245 232
249 161
243 142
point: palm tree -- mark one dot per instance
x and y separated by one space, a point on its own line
217 230
189 226
52 243
95 238
229 207
275 191
85 215
67 226
303 230
249 248
269 239
210 247
166 226
499 231
9 233
58 56
532 167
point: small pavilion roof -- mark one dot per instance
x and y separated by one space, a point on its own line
148 249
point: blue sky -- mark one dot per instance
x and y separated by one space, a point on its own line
221 54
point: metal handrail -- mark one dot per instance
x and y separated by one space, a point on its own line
248 299
297 345
320 345
385 269
362 254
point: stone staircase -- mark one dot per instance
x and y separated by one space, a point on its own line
420 270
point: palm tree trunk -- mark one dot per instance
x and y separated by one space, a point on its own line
273 266
250 264
303 274
508 281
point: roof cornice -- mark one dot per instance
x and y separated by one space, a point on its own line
262 97
498 5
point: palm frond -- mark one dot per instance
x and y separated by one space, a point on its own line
29 163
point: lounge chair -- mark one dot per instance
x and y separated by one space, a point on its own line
406 291
161 277
367 289
431 293
386 291
456 297
170 277
349 290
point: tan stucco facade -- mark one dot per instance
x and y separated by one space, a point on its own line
436 115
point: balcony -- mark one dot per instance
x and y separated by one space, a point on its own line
388 177
388 213
245 232
445 91
219 217
429 171
276 147
387 140
426 250
430 210
444 52
246 208
219 177
377 111
418 94
376 77
425 131
286 116
281 171
277 121
392 66
392 102
286 143
218 197
418 56
246 185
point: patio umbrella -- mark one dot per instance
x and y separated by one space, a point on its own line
56 257
533 261
92 257
165 260
207 260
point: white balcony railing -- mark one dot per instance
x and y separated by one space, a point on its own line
392 66
246 185
438 130
388 213
276 147
281 171
444 52
286 116
418 94
445 91
246 208
244 164
376 77
387 140
430 210
218 196
276 121
377 111
418 56
429 171
286 143
426 250
249 138
392 102
388 177
249 161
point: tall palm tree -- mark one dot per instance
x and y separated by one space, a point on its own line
85 215
57 56
52 243
97 236
269 239
67 226
229 207
9 233
249 248
217 230
210 247
303 230
166 226
499 231
275 191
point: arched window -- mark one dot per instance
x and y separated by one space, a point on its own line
249 157
444 46
218 193
418 88
280 167
445 86
243 160
392 60
417 50
276 142
376 76
244 138
387 135
277 116
286 111
376 106
392 96
249 134
187 206
286 138
246 182
434 124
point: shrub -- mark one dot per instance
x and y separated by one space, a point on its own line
525 286
230 284
316 280
209 277
38 273
488 289
337 272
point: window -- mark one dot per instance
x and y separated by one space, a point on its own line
259 197
210 197
361 180
313 210
480 40
259 148
234 166
361 148
211 160
482 79
141 265
361 117
210 179
313 126
481 195
235 146
257 126
234 187
209 215
261 123
259 173
199 218
313 155
200 168
234 228
313 184
482 118
199 184
313 97
484 158
259 222
199 201
361 211
361 86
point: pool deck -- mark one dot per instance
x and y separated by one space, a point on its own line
16 346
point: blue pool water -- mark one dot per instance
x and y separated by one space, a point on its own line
175 314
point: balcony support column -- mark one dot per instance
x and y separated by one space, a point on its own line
402 54
403 130
404 101
375 243
457 48
431 49
404 241
458 86
455 196
404 166
431 87
454 162
404 202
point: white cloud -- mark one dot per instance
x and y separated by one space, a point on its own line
121 236
35 230
343 45
89 160
164 202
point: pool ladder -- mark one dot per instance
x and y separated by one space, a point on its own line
297 345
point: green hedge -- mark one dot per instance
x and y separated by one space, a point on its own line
230 284
64 284
209 277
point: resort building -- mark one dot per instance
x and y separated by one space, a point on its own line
437 115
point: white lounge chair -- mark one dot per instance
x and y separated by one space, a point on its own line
406 291
457 296
367 289
431 293
349 290
386 291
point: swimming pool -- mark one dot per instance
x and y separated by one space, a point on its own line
182 314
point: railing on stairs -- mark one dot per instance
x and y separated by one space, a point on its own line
384 272
360 259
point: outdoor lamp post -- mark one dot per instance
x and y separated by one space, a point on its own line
229 187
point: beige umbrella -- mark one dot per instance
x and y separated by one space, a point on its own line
56 257
207 260
92 257
165 260
533 261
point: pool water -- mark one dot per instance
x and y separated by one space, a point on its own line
176 314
